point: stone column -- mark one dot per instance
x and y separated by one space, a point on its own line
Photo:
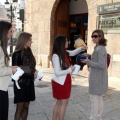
38 19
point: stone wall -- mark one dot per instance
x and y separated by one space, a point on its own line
113 39
38 22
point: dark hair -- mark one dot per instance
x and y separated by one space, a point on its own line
102 41
59 49
21 42
4 28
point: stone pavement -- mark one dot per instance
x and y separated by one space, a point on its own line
79 104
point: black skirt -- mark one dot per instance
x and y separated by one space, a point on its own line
4 103
26 93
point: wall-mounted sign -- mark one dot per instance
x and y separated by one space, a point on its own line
109 22
108 8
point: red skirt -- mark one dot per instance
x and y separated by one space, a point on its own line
62 91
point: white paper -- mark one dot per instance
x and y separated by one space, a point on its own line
18 74
39 76
77 68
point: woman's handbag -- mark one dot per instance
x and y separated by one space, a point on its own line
81 57
24 81
27 76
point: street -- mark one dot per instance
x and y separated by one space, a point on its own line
79 104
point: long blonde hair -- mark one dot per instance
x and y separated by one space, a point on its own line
21 42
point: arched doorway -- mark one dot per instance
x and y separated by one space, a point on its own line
70 19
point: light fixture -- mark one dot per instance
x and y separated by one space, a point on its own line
10 7
7 4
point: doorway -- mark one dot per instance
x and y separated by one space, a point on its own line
78 26
66 13
71 19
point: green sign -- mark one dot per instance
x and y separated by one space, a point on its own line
108 8
109 22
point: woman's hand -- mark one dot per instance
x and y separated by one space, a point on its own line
14 69
72 68
85 54
88 56
35 74
84 61
84 48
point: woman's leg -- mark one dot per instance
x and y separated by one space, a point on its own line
100 107
3 105
62 108
55 110
25 111
94 107
19 110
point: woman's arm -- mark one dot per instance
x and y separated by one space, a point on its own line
57 68
4 70
101 63
75 52
16 57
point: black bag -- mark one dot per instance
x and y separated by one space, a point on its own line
24 81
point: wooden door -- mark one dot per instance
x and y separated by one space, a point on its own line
62 18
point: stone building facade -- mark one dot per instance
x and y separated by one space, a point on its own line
40 21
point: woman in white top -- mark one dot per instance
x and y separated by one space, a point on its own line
61 82
5 69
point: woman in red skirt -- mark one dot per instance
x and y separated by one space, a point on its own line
61 82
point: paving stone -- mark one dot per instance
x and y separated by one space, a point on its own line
79 104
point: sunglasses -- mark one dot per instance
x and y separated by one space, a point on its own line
94 36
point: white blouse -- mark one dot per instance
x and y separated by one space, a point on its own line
59 74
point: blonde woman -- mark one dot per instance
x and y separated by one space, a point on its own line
24 58
98 78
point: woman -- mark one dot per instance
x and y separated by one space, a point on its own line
24 58
98 78
5 70
61 82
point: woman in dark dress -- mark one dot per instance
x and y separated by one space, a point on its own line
61 82
23 57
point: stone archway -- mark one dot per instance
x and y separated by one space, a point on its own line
40 18
52 25
92 12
